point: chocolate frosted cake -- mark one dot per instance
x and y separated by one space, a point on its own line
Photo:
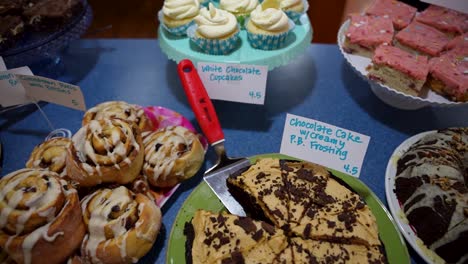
431 185
225 238
312 204
302 215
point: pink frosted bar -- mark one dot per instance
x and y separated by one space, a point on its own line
416 67
444 19
460 41
424 38
452 69
369 31
401 14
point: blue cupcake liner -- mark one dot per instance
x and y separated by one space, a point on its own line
269 42
180 31
214 46
294 16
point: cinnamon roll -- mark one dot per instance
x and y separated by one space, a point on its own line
51 155
122 226
39 214
141 185
105 151
119 109
172 154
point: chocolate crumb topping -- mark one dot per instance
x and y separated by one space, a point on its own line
268 228
247 224
258 235
307 230
235 258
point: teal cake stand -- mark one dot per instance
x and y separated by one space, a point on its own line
179 48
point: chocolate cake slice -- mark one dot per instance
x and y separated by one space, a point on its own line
334 213
226 238
309 203
11 29
261 191
50 15
314 251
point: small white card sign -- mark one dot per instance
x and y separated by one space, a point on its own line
52 91
324 144
11 90
234 82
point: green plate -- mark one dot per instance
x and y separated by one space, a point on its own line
179 48
203 198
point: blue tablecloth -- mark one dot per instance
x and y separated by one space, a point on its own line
318 85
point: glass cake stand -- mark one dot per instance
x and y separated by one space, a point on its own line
179 48
41 50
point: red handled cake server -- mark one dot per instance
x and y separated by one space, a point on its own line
206 116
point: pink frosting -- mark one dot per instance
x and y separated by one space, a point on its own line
460 41
400 13
369 31
444 19
415 66
423 38
452 69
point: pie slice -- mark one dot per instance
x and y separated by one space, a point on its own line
302 198
226 238
261 191
314 251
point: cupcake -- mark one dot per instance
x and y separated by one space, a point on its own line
178 15
215 31
293 8
268 28
240 8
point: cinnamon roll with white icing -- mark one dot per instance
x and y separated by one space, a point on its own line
39 214
105 151
119 109
121 226
51 155
172 154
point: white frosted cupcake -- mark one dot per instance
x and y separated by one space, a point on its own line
215 31
178 15
240 8
294 8
268 29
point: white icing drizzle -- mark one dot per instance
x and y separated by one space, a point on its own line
36 203
117 109
98 220
116 149
161 162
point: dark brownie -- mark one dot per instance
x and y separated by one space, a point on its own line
11 29
50 15
11 7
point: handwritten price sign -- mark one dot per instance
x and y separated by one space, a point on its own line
325 144
234 82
